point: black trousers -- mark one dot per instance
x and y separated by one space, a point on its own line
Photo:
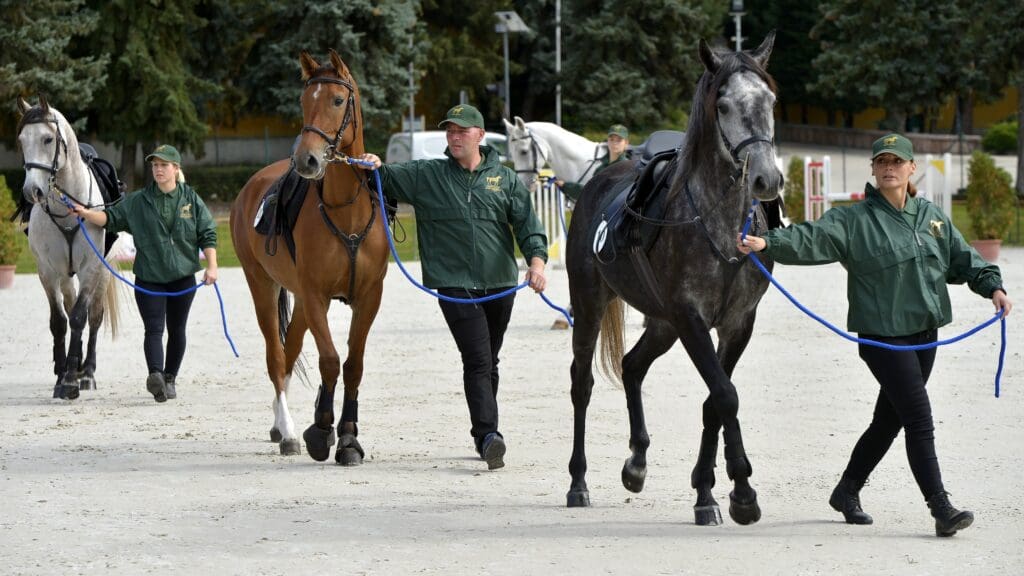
160 312
479 330
902 403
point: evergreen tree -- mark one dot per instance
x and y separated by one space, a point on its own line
372 37
633 61
906 66
150 90
36 57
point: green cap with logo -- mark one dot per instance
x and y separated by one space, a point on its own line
464 115
619 130
167 153
893 144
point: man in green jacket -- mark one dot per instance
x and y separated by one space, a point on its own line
470 210
900 252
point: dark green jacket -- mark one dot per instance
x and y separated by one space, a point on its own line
465 221
897 272
164 254
573 189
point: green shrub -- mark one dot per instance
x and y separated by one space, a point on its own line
990 198
793 193
1001 138
219 183
10 246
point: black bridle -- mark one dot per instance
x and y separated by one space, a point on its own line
53 168
333 144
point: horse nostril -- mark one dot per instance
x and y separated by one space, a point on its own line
760 184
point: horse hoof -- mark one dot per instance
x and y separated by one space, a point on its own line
87 383
577 499
709 515
633 476
348 457
275 435
291 447
744 512
349 452
318 442
58 390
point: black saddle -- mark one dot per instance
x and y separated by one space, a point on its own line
111 187
279 209
659 141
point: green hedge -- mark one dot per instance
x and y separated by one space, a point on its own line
219 183
1001 138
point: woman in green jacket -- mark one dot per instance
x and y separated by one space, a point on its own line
469 211
170 225
900 251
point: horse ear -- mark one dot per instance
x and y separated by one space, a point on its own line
309 65
339 65
44 104
707 55
508 125
520 124
761 54
23 106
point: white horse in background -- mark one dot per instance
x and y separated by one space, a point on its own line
534 145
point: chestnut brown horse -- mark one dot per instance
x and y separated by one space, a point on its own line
340 253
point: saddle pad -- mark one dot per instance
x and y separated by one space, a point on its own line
619 230
279 209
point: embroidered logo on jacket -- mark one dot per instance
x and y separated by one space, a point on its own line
935 227
494 183
186 211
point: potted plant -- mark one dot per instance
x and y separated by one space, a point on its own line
990 204
10 243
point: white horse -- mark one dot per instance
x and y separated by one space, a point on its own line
54 169
533 145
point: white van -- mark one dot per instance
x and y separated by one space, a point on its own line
431 144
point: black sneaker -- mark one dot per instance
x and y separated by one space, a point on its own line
155 384
492 450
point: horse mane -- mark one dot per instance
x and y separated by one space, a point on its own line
34 115
702 130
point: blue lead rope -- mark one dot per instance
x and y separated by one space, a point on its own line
394 253
825 323
220 300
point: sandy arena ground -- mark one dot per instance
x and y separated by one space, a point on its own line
114 483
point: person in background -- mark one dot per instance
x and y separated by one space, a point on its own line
170 225
618 141
469 210
900 252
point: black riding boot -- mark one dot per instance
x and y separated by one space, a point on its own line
846 499
947 518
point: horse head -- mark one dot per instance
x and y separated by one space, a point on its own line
331 116
733 113
528 153
48 146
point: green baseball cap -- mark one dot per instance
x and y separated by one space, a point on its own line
167 153
464 115
893 144
619 130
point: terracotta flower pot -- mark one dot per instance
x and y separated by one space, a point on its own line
6 276
989 249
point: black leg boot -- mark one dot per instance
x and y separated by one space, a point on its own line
948 520
846 499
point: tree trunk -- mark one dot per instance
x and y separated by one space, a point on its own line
967 114
1020 134
128 165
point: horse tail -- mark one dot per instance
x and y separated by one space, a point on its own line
284 318
112 295
611 340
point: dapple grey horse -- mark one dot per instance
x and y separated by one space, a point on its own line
695 278
54 168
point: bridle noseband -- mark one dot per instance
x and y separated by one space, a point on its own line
331 153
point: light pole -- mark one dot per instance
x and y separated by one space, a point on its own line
558 62
736 9
508 21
